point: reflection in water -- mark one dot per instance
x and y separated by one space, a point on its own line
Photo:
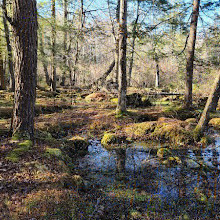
196 178
120 160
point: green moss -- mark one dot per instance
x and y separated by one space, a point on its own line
53 152
205 141
76 145
173 132
138 130
18 152
215 122
98 97
197 133
163 153
191 120
135 214
109 138
13 157
27 143
114 100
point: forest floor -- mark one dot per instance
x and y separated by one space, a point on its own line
40 181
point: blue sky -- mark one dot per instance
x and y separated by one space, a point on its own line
208 17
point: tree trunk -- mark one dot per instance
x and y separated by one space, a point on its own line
121 107
2 71
190 53
53 57
117 44
214 104
102 79
65 5
212 99
44 58
25 55
9 49
157 79
134 36
73 72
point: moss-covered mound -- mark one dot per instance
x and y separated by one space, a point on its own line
135 100
20 150
96 97
172 130
112 138
76 145
215 122
139 130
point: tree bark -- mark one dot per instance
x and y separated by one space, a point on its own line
2 71
102 79
65 6
44 58
134 36
9 49
214 104
190 53
73 71
211 99
157 80
117 44
53 38
121 107
25 55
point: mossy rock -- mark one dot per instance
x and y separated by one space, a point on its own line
171 161
139 130
179 112
109 138
215 123
163 153
205 141
172 130
96 97
76 145
191 120
70 181
134 100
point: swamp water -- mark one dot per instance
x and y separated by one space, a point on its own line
155 188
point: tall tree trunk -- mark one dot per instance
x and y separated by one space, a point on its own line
79 34
25 55
157 78
117 44
2 71
212 99
65 6
121 107
190 53
9 49
134 36
44 58
53 57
